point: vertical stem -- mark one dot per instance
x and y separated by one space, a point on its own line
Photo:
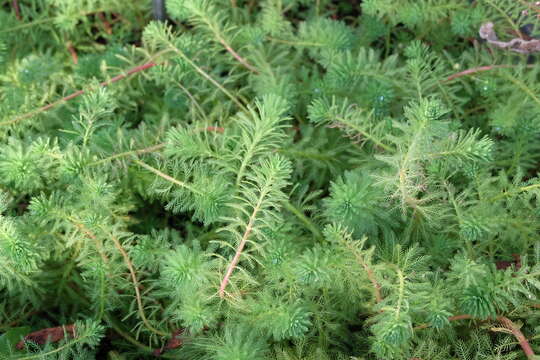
136 286
15 4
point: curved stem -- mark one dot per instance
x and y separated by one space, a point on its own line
129 264
307 222
529 353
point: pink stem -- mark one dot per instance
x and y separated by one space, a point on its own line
239 250
519 336
17 9
240 59
79 93
479 69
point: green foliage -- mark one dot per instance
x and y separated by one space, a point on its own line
274 179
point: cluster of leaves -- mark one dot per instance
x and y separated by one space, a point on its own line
277 179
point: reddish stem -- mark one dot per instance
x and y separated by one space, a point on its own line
522 340
240 249
373 280
53 334
479 69
73 53
78 93
15 4
240 59
218 129
106 24
475 70
451 318
235 259
519 336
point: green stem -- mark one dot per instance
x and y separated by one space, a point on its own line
128 153
44 355
167 177
52 19
296 43
307 222
519 190
364 133
208 77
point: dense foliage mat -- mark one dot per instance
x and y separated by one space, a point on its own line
274 179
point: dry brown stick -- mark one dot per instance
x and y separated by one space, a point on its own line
519 336
78 93
129 264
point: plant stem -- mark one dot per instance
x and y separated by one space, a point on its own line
507 323
519 190
240 59
451 318
129 153
167 177
17 9
369 272
241 246
529 353
208 77
78 93
480 69
307 222
129 264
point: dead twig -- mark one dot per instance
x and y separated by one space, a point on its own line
519 45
